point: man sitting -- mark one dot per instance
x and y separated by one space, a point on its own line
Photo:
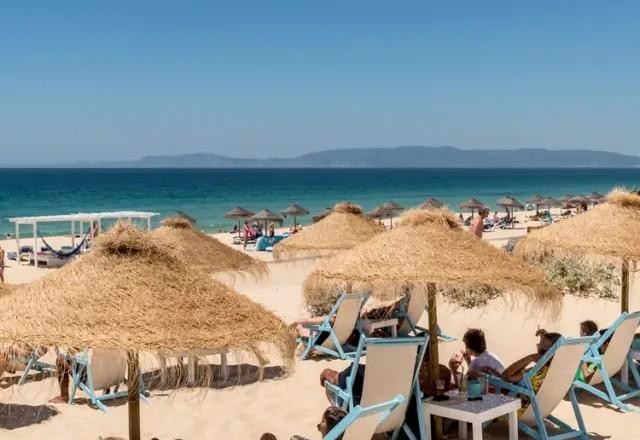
475 355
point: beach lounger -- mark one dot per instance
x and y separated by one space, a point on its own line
617 356
567 355
346 312
392 368
410 312
361 422
98 369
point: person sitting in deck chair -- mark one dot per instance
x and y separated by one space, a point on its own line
475 355
515 372
330 418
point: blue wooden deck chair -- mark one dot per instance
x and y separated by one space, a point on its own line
410 311
34 363
332 335
565 356
616 357
99 369
392 368
361 422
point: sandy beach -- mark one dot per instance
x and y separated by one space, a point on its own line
292 404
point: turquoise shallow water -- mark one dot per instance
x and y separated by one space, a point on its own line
207 194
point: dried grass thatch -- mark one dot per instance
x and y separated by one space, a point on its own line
132 294
343 229
428 247
611 228
202 251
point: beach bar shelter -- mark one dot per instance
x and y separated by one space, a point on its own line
431 203
82 219
294 210
426 251
239 213
472 204
343 229
609 229
202 251
159 305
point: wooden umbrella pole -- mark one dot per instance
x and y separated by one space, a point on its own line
624 296
434 368
133 388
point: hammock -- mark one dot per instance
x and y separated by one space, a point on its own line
64 254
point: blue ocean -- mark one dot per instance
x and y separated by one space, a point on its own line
207 194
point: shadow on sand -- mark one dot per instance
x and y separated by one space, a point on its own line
14 416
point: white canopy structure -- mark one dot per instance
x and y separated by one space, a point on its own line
94 219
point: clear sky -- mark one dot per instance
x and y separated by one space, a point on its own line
110 80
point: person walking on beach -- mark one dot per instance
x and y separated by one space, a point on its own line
1 265
477 224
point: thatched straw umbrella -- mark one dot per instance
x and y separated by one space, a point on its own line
239 213
391 208
294 211
610 229
444 255
132 295
320 215
202 251
267 217
377 213
431 203
344 228
472 204
595 197
510 204
535 201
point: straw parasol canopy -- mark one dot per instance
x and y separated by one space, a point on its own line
549 202
444 255
472 204
509 203
202 251
344 228
377 213
266 216
391 207
535 199
595 197
238 213
320 215
294 210
611 229
431 203
133 295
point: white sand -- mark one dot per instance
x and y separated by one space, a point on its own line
292 404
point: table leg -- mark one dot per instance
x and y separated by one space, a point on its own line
462 430
394 331
477 431
513 425
427 423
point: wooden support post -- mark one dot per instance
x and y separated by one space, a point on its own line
434 368
18 256
133 389
624 296
35 244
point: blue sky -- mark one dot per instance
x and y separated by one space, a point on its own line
119 80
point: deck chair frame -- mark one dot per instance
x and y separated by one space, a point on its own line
593 356
326 327
344 397
525 388
358 413
403 313
80 367
33 362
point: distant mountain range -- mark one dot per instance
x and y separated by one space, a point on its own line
398 157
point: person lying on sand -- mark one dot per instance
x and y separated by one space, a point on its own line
330 418
516 371
475 355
